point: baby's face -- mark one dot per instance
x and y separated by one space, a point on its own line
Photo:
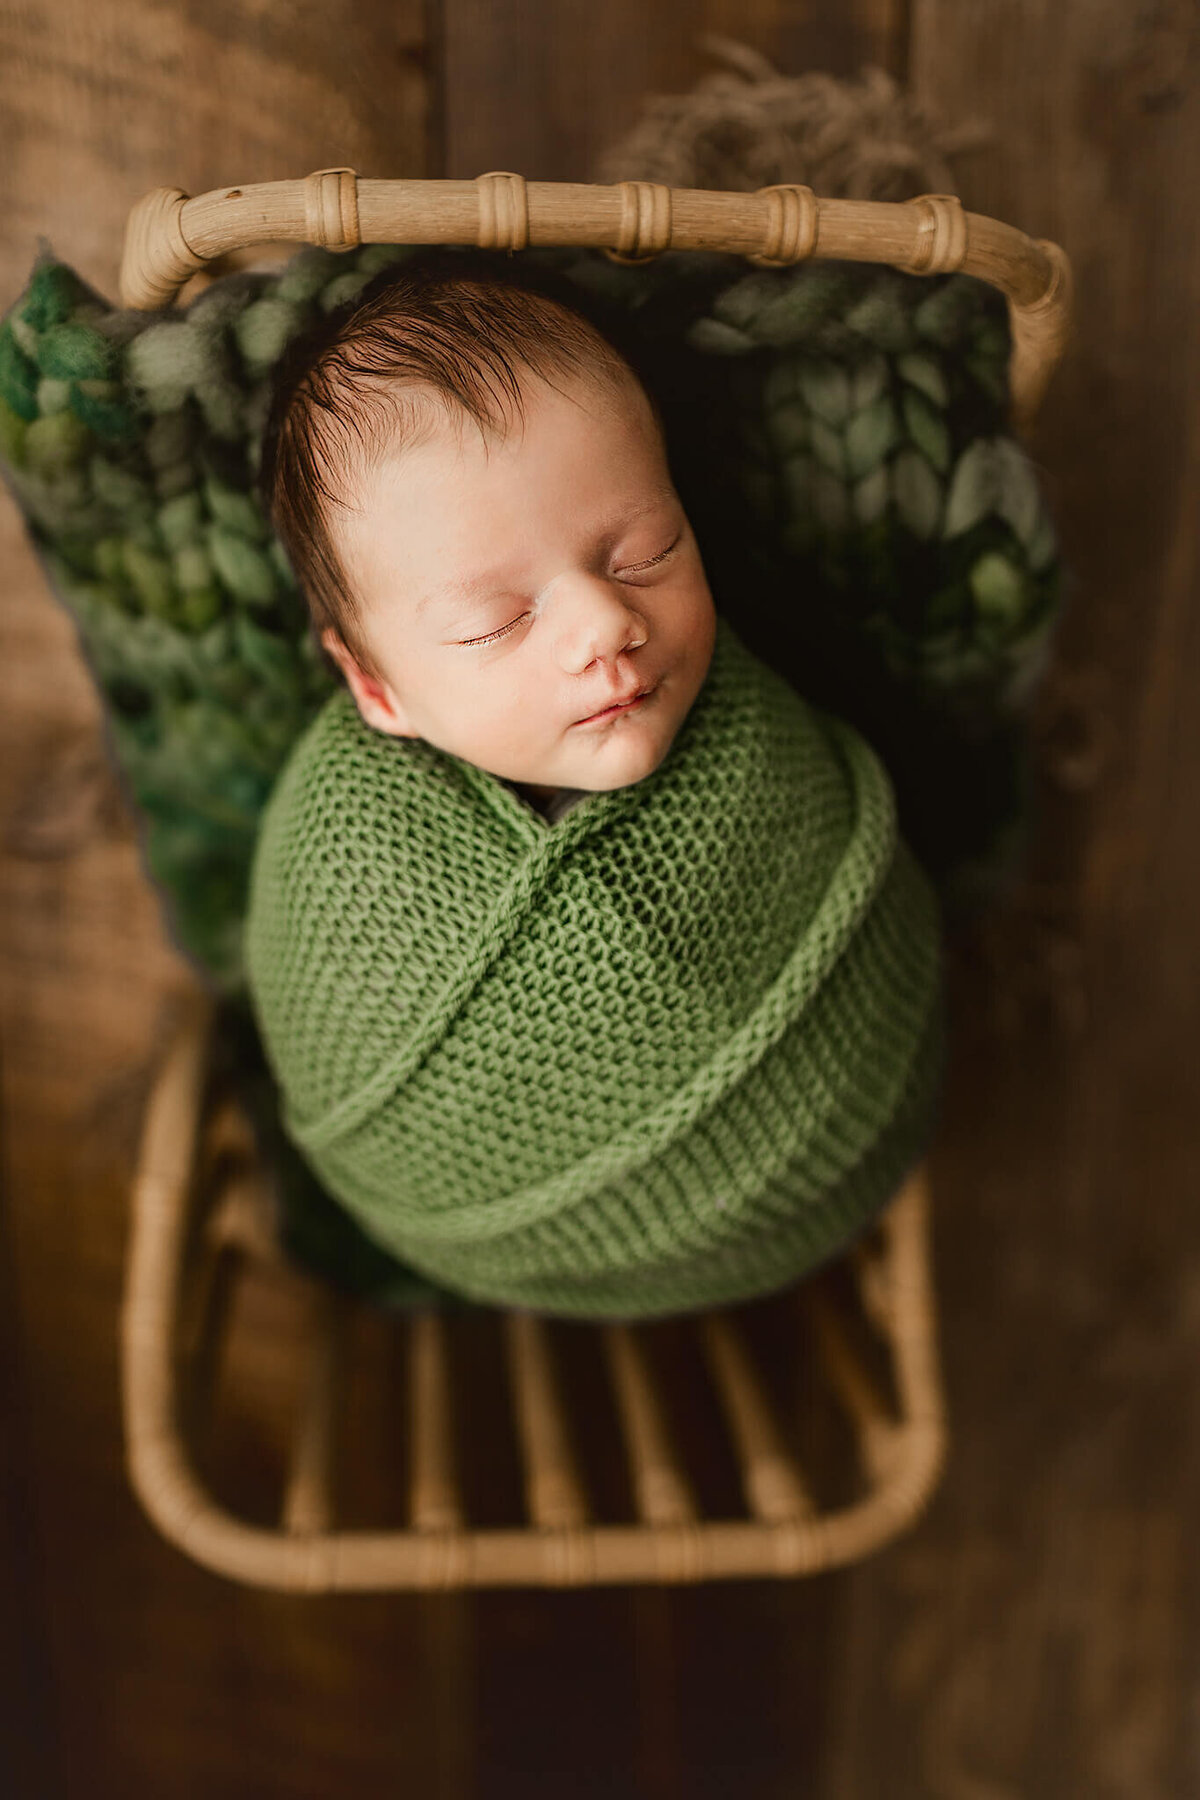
514 591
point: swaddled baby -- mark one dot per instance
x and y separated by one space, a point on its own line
592 969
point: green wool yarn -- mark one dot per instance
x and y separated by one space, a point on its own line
669 1052
890 526
866 453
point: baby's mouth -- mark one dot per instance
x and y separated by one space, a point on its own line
621 706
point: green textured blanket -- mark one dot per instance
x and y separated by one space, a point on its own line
838 437
672 1051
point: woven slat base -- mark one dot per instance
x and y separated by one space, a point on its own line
198 1219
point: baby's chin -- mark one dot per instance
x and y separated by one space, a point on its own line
614 764
613 757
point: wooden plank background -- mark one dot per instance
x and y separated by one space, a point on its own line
1037 1634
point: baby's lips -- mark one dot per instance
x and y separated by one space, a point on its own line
641 693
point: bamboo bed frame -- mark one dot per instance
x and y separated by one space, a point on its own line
200 1197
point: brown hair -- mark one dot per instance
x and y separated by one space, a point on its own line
450 333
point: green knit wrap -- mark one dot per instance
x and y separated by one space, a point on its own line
669 1052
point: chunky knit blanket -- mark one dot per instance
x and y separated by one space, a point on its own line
672 1051
838 438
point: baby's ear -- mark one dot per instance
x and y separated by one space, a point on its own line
376 700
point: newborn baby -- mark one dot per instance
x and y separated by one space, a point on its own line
473 488
590 965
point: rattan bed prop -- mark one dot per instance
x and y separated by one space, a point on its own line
199 1190
171 236
197 1220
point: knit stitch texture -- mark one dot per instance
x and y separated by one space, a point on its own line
671 1051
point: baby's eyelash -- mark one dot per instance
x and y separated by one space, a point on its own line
503 630
636 568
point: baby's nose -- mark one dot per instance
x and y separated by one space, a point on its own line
596 623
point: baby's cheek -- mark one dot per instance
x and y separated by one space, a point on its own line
517 723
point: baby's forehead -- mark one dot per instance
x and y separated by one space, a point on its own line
411 416
609 390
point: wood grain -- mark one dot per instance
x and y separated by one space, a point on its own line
139 1672
1037 1634
543 89
1041 1626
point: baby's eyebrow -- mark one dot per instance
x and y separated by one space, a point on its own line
610 530
459 590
